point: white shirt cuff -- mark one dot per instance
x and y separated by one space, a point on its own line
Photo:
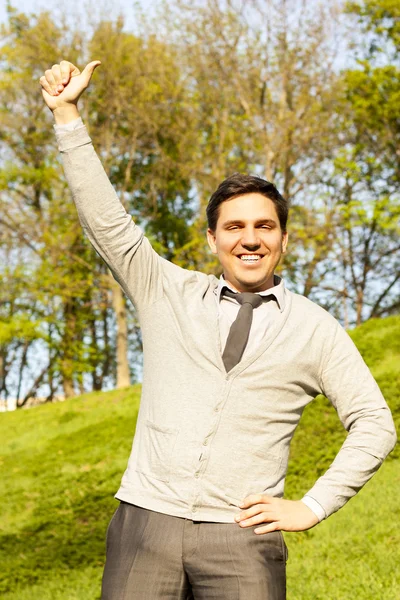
315 507
71 126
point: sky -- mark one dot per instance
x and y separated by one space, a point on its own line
111 6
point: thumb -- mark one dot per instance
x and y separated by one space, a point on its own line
89 69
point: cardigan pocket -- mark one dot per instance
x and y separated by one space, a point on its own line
156 449
257 473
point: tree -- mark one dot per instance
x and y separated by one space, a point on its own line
263 88
367 175
53 259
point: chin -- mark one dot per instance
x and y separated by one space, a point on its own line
255 286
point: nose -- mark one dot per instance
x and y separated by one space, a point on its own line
250 238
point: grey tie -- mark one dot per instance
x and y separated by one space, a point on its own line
240 328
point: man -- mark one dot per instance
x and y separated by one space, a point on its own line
229 366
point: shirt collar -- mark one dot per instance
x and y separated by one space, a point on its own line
278 290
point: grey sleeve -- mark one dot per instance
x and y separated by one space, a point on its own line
110 229
349 385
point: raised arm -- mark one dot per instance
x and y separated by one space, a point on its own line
105 221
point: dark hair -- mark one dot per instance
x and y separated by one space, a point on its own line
238 185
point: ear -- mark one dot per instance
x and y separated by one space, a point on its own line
211 239
285 238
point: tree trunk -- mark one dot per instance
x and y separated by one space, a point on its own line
119 305
68 386
359 306
66 347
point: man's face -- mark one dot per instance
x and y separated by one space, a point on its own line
248 241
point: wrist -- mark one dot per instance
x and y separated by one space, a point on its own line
65 114
314 506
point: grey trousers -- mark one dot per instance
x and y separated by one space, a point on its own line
151 555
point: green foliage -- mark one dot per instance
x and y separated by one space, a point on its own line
54 278
20 327
380 17
60 465
148 145
367 168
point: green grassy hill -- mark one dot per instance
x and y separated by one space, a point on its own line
61 464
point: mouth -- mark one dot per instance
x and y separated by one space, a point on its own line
250 259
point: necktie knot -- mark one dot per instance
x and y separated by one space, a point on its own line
249 298
244 297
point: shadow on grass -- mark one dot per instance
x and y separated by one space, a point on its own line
65 500
57 545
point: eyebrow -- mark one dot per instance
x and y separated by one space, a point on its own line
258 222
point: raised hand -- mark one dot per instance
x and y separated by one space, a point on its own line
275 514
63 84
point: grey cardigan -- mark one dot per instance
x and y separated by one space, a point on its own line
205 439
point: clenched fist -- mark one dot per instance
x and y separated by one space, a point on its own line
62 86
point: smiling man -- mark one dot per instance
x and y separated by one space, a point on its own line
246 232
229 366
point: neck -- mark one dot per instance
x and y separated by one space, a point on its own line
240 288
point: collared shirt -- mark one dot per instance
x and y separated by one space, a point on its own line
263 316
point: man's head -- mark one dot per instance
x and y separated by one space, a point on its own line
247 220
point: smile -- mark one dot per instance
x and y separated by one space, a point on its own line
250 258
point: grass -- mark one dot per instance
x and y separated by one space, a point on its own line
61 464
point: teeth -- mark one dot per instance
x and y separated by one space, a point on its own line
250 257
